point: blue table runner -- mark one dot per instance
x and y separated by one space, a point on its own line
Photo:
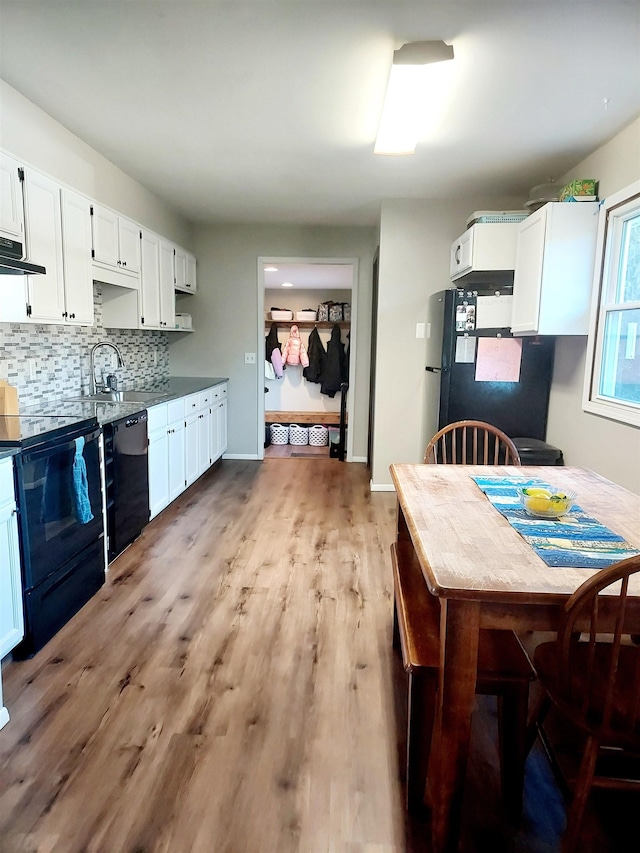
573 540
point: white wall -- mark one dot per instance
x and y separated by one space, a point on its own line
225 316
415 241
608 447
35 137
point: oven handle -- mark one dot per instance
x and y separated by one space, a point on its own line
65 443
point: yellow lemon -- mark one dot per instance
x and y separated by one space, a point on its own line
539 503
536 490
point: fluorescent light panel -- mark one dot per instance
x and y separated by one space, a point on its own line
415 92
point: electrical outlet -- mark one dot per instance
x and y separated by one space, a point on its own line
249 358
155 358
33 366
4 368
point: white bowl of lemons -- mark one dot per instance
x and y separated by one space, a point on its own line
543 502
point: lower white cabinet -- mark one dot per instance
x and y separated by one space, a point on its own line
186 436
11 617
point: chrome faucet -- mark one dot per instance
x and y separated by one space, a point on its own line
102 386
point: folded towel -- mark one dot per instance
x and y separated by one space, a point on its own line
80 485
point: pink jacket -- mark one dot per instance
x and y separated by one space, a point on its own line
294 351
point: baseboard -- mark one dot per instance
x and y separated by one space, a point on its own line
359 459
241 456
381 487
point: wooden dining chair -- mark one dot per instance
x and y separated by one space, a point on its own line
471 443
591 673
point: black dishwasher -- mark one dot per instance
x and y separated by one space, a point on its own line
126 480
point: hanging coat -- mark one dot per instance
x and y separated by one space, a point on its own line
294 351
271 342
334 373
317 358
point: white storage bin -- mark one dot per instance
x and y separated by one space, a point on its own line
318 436
305 315
281 315
184 321
279 434
298 434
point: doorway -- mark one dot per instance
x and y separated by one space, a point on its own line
299 286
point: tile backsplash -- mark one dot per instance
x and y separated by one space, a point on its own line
57 357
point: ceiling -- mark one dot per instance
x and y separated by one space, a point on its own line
267 111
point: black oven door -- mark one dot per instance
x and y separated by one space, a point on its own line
59 501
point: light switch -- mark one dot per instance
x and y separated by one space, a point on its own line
420 327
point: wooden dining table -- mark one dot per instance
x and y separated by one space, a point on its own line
485 575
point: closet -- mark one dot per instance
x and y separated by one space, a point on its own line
301 420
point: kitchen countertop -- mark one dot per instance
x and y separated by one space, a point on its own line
55 415
7 451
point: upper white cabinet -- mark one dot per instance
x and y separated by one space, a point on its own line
76 258
167 294
185 271
11 203
116 247
554 270
43 225
157 279
484 248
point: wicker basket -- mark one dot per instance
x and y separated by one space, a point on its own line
298 435
318 436
279 434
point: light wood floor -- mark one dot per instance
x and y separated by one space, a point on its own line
232 689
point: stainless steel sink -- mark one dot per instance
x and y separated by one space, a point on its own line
121 396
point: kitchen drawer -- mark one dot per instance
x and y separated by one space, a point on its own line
157 417
175 410
205 398
191 404
6 481
221 391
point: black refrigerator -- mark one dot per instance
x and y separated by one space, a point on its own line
484 372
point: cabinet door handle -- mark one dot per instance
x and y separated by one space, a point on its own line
457 255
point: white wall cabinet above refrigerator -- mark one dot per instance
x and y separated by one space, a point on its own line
486 252
554 270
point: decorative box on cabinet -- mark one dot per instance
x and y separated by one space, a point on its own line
11 616
554 270
485 252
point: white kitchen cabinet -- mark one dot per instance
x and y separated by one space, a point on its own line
167 293
190 277
116 248
177 458
204 440
222 429
43 228
11 202
483 249
185 270
554 270
218 424
150 281
158 459
158 297
76 258
11 616
192 457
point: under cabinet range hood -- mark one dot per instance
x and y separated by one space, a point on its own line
11 262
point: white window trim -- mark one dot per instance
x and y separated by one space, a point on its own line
592 400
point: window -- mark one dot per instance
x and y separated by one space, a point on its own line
612 386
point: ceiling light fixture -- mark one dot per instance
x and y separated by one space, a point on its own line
271 269
287 284
415 82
